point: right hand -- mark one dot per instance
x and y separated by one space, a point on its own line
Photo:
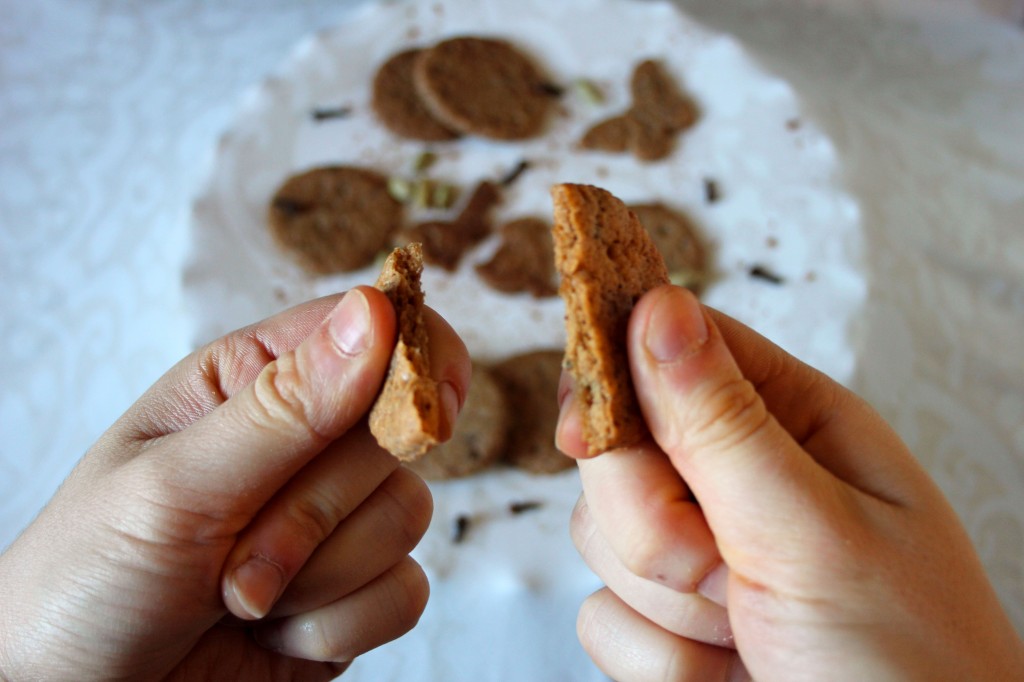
774 524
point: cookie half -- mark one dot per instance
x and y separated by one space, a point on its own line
482 86
399 107
334 219
406 419
607 262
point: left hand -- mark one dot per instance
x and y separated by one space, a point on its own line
243 489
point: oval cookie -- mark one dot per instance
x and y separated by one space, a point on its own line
479 435
481 86
530 382
677 240
399 107
334 219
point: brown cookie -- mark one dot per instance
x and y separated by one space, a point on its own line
656 96
524 261
607 261
334 219
530 382
479 436
677 240
648 129
406 418
444 242
482 86
399 107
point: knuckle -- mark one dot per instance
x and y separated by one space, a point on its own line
410 506
406 595
643 556
282 398
729 414
313 517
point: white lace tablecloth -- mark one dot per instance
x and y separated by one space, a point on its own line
109 113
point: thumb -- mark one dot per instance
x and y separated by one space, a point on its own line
230 462
756 486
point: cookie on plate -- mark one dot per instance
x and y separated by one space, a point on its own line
334 218
607 261
677 240
530 382
524 261
479 436
406 418
399 107
482 86
444 242
648 128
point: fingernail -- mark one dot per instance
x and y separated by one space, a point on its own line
449 402
713 585
257 584
676 326
565 387
350 324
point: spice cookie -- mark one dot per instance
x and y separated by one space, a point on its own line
399 107
334 219
444 242
524 261
607 261
406 418
648 129
479 436
677 240
530 382
482 86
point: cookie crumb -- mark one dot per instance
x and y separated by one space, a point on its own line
523 506
712 192
762 272
514 174
328 113
460 527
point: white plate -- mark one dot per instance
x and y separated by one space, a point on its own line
505 598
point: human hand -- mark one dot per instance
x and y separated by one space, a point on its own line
773 524
243 486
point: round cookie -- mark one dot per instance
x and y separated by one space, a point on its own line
482 87
334 218
676 239
398 106
530 382
525 261
479 436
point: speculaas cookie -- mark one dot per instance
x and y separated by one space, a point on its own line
482 86
407 418
524 261
399 107
334 219
677 240
444 242
607 262
479 436
648 128
530 382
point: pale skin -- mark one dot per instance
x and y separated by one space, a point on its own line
772 528
239 521
253 448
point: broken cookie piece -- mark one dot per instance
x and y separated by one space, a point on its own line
407 418
607 262
649 127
